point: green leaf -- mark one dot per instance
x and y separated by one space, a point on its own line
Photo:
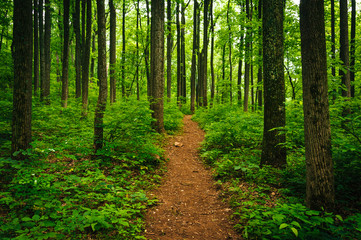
339 218
294 223
236 168
295 231
283 225
36 217
26 219
93 226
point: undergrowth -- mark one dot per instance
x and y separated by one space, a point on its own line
268 203
65 191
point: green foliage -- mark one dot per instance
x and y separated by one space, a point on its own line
172 117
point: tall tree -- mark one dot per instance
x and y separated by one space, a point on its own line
273 152
41 48
247 60
344 50
204 57
65 70
47 52
86 56
319 166
212 53
183 55
169 49
102 76
112 50
194 57
230 43
353 48
137 49
157 64
22 90
259 74
179 52
333 37
123 51
78 48
36 47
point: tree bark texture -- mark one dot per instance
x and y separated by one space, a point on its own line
47 52
194 57
344 50
169 49
36 47
41 48
319 166
353 48
78 48
86 56
183 55
204 54
273 153
22 91
179 58
157 64
65 70
212 54
112 51
102 76
230 42
123 52
247 61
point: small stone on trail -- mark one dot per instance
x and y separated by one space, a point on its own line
178 144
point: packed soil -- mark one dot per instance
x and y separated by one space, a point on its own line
189 204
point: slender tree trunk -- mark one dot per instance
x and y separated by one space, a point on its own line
247 62
123 51
64 89
6 14
113 50
22 91
146 50
230 52
224 73
102 76
353 48
179 58
205 55
260 66
86 57
212 54
344 50
36 47
92 64
273 151
333 37
47 52
169 49
194 57
240 63
183 56
319 166
41 48
157 64
137 47
78 51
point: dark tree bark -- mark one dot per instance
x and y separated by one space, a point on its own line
273 152
123 52
344 50
146 49
137 47
157 64
47 53
240 63
92 64
230 42
183 56
319 166
169 49
212 54
41 48
36 47
77 49
259 74
247 61
179 59
102 76
204 56
22 91
64 88
333 37
353 48
194 57
113 50
86 57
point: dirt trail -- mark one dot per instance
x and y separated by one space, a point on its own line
189 206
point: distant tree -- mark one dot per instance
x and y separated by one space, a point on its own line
41 48
204 56
212 53
36 47
333 37
78 48
157 64
86 56
230 43
260 73
65 69
273 151
22 90
112 50
319 166
102 76
123 50
344 50
247 59
194 57
47 53
183 86
353 48
169 49
179 53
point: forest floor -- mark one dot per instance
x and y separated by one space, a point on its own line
189 205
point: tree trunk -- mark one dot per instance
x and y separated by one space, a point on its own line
194 57
353 48
212 54
137 47
146 50
102 76
41 48
64 89
344 50
77 49
36 47
47 52
169 49
183 56
333 37
113 50
319 166
123 52
204 54
273 151
230 52
22 91
157 64
86 57
179 59
247 62
259 74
